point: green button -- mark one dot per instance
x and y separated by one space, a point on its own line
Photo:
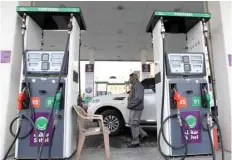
196 101
191 120
41 123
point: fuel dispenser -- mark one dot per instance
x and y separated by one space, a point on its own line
47 125
185 112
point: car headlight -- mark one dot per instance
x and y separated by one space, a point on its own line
95 101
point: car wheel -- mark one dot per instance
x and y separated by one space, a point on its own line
113 121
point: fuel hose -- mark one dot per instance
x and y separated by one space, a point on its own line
208 128
16 136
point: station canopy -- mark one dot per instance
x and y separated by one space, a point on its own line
115 30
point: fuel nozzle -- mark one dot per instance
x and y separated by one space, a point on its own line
21 99
176 95
58 99
207 98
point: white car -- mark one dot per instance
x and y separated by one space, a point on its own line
115 112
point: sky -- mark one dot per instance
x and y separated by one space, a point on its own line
104 70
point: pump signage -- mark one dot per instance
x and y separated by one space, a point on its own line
193 120
146 69
89 80
49 103
41 123
5 56
35 102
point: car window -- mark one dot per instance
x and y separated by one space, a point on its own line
149 84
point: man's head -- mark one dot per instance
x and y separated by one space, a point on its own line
133 78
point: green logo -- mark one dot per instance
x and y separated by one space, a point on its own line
196 101
41 123
49 103
191 120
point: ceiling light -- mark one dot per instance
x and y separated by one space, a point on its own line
118 46
119 31
120 7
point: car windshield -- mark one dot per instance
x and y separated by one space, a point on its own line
148 83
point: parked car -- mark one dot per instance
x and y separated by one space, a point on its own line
115 112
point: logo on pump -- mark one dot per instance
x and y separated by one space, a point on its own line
35 102
41 123
88 90
191 120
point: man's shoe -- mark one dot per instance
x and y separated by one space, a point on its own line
143 138
133 145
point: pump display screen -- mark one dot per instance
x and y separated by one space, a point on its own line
45 66
44 61
185 64
45 57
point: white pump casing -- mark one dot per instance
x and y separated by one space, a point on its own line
195 43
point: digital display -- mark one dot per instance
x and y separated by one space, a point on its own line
34 60
45 62
196 57
196 61
56 60
33 64
187 67
176 61
34 55
185 59
45 57
45 66
175 57
57 55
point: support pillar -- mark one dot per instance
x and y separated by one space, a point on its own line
145 68
10 67
220 25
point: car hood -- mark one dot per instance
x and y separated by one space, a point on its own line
110 96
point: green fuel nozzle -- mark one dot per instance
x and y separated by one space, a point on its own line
208 100
58 99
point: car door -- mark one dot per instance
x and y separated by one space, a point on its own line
149 112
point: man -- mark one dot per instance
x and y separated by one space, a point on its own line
136 106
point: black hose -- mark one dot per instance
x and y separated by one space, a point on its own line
205 31
50 145
211 141
21 117
220 134
58 87
12 144
15 135
161 132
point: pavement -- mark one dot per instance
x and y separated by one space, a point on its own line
139 154
94 149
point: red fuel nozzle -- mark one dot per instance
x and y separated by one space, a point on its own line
21 98
176 96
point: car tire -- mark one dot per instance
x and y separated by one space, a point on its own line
116 120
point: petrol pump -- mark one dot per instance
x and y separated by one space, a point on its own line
47 125
186 113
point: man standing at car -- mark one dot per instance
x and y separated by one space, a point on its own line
136 106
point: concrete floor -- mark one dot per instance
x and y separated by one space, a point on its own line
94 149
139 154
